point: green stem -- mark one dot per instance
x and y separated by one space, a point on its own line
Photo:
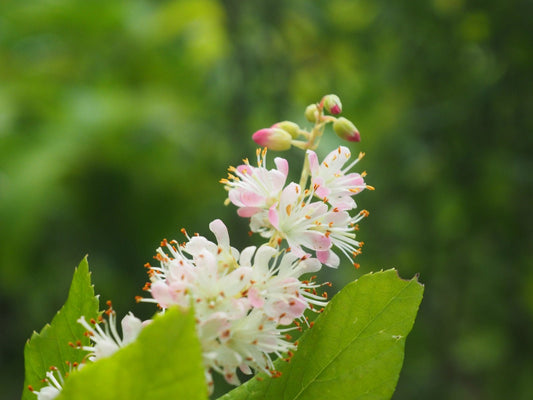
315 135
305 172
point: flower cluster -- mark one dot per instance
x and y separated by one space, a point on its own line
316 218
246 302
243 301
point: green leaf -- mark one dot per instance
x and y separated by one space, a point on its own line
51 347
165 362
355 348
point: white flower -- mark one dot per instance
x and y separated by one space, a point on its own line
296 219
240 299
340 227
332 183
53 387
107 341
245 343
201 272
253 189
314 226
276 287
54 382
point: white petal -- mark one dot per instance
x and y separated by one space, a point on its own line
246 256
221 233
131 326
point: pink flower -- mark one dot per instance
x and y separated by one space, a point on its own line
313 226
297 220
276 287
253 189
332 183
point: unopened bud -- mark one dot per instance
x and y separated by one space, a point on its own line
332 104
273 139
346 130
289 127
311 112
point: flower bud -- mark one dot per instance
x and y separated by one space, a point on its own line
273 139
346 130
311 112
332 104
289 127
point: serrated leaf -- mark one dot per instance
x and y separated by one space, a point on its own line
164 362
354 350
51 347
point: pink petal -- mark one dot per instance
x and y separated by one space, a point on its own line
251 199
313 161
160 292
333 260
322 190
282 165
319 241
255 299
273 216
343 203
354 179
245 169
247 212
322 256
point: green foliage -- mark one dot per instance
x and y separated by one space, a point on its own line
164 362
51 347
355 348
106 109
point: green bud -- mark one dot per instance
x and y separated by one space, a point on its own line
311 112
289 127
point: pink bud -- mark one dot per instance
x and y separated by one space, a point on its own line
346 130
332 104
273 139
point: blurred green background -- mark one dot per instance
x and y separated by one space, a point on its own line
117 119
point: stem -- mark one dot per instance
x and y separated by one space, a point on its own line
315 135
305 172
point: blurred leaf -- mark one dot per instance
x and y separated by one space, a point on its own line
163 363
354 350
51 347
